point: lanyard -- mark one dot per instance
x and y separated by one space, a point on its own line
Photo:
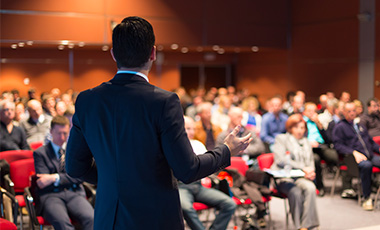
133 72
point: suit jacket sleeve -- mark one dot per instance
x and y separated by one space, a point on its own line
79 159
186 166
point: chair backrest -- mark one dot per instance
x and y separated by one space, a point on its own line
239 164
14 155
36 145
20 172
376 139
265 160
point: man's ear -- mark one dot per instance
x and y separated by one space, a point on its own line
153 54
113 56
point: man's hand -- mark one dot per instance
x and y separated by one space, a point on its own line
359 157
45 180
236 144
309 173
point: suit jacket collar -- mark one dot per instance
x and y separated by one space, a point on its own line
124 78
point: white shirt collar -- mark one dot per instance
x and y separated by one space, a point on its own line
133 72
55 148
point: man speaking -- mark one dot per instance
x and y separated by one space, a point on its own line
134 131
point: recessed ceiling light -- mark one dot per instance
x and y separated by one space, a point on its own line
184 50
174 46
215 47
14 46
61 47
255 49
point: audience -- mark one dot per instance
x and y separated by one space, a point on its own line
37 126
205 131
61 197
219 115
351 139
251 118
216 110
300 191
273 122
321 150
371 119
256 146
11 136
195 192
326 116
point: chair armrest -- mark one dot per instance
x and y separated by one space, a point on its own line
90 193
29 200
14 201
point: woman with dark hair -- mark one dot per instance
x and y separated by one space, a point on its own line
300 191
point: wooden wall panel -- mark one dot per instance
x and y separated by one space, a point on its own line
50 28
73 6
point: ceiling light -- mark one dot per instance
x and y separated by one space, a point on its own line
81 44
105 48
29 43
221 51
215 47
61 47
174 46
255 49
14 46
160 47
184 50
21 44
64 42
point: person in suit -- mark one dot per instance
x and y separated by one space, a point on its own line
129 137
60 195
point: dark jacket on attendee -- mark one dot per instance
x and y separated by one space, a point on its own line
346 139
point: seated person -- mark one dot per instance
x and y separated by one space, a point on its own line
205 131
316 136
251 118
273 122
352 138
195 192
60 195
256 147
11 136
37 126
371 120
300 191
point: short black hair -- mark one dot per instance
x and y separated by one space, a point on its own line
132 40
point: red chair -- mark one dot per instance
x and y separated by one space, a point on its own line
36 145
32 199
7 225
265 161
239 164
14 155
376 139
20 172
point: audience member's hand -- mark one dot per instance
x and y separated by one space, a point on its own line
45 180
309 173
359 157
236 144
314 144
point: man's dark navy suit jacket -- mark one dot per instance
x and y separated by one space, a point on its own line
135 132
